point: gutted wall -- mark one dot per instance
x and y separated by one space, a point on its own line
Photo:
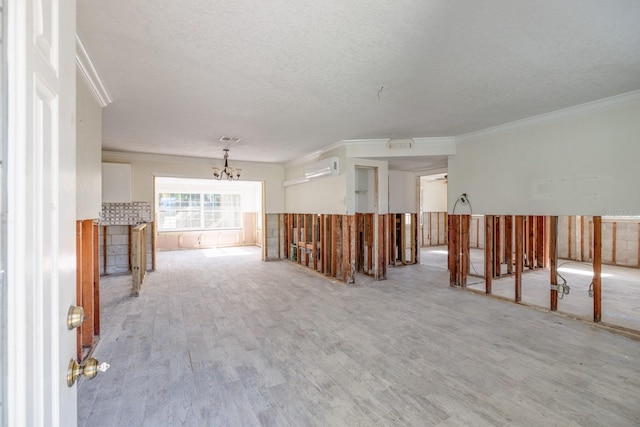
146 167
582 161
88 153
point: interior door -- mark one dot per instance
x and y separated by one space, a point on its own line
40 166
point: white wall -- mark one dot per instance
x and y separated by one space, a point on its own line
88 153
145 167
434 196
403 192
580 161
327 195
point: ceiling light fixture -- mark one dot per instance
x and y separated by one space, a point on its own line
227 172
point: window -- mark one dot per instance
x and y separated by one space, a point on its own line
198 211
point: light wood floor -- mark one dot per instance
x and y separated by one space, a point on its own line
219 338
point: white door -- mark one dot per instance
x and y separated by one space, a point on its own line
40 167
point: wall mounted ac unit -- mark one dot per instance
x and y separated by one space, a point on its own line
324 167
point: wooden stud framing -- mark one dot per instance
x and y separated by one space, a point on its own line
279 219
531 242
581 252
638 245
464 244
335 237
591 239
438 228
597 268
452 257
497 247
508 243
541 241
381 271
553 261
488 252
519 256
104 249
345 247
314 241
415 246
96 278
129 244
353 231
87 283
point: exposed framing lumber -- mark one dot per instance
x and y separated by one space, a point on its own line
453 257
597 268
415 246
314 241
581 238
438 227
519 257
488 252
541 241
345 247
508 243
306 240
497 247
464 243
335 237
638 245
96 278
129 244
279 219
569 236
87 283
381 270
352 249
531 242
553 262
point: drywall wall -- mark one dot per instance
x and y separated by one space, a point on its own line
88 153
145 167
580 161
403 192
434 196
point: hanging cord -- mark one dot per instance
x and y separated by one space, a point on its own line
565 280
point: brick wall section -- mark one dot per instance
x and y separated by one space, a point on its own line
272 236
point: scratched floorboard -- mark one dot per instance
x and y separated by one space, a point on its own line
219 338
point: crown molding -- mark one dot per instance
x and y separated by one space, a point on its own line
314 156
599 105
88 71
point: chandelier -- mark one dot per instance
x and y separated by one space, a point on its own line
227 172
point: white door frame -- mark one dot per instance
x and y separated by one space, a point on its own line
41 203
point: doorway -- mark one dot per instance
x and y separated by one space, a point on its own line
433 220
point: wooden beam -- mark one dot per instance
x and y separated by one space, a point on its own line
129 245
87 283
591 239
465 250
335 237
497 237
368 232
553 261
508 243
353 242
96 279
314 241
452 258
597 268
279 219
381 271
581 252
519 256
546 242
569 236
306 239
531 242
345 247
488 252
153 246
541 241
438 227
416 247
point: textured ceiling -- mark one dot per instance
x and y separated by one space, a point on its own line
291 77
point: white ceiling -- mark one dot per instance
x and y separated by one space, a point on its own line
292 77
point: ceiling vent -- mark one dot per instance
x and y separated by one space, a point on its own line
230 139
399 144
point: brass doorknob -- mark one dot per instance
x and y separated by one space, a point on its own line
75 317
89 369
